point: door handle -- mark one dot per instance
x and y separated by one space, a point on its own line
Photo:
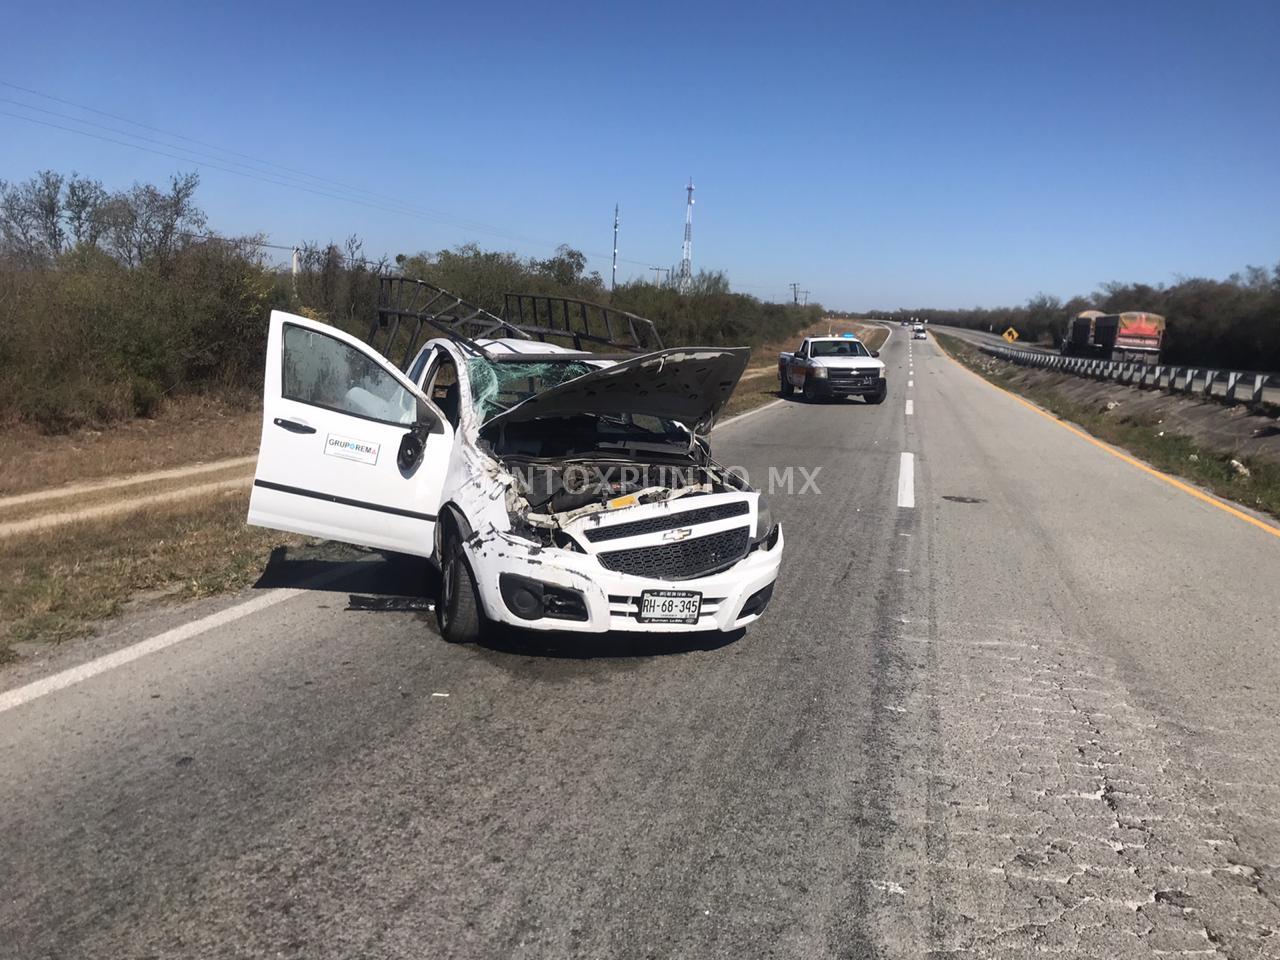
293 426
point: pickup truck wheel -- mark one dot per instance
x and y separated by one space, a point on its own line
877 397
458 612
810 391
784 386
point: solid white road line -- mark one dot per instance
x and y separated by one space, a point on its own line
911 407
60 681
750 413
907 480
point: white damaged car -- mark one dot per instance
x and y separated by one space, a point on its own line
555 488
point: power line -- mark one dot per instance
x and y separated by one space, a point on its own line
274 181
289 177
202 143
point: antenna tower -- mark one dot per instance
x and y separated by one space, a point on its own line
684 279
613 281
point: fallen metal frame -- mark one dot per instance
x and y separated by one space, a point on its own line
582 321
410 310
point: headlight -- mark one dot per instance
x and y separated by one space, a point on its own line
819 373
764 519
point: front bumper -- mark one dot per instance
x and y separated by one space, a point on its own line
613 599
827 387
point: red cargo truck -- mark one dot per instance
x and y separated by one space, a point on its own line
1133 336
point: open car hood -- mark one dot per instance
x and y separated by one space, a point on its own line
689 385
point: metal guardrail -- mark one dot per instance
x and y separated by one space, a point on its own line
1230 386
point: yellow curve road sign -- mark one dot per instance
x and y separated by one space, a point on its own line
1010 334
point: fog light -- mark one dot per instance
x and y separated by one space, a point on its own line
757 602
531 599
522 596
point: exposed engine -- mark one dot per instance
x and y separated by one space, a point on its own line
558 492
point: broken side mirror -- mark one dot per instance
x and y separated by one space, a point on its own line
414 442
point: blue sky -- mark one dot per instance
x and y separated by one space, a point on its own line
882 155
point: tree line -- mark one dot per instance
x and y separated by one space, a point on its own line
111 301
1228 324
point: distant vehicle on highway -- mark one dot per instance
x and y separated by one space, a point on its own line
824 368
1133 336
917 332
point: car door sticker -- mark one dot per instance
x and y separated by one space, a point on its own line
362 451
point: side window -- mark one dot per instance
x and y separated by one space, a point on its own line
804 349
445 391
325 372
415 372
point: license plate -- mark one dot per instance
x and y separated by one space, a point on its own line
670 606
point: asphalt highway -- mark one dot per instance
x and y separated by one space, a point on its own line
1014 696
981 338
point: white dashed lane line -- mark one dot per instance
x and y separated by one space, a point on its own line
907 480
911 407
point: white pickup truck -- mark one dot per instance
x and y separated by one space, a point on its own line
556 489
824 368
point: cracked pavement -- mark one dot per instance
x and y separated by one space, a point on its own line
1036 714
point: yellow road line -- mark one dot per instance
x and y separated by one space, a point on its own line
1133 462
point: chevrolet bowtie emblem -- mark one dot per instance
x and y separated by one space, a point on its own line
678 534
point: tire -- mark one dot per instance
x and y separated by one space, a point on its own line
784 386
810 391
877 397
458 611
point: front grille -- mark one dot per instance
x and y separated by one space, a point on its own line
683 559
667 521
852 377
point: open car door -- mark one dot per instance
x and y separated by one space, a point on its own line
334 461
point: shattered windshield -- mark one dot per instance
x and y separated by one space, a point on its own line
496 387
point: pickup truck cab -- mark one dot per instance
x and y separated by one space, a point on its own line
823 368
555 489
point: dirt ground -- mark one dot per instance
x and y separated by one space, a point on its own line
189 431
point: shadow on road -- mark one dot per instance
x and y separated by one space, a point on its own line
596 646
395 583
371 572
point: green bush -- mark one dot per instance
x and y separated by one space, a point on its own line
114 301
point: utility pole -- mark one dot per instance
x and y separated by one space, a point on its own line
806 299
614 281
795 293
657 274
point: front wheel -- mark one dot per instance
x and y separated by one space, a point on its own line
878 397
458 612
784 386
810 390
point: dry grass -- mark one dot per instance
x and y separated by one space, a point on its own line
188 431
55 586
